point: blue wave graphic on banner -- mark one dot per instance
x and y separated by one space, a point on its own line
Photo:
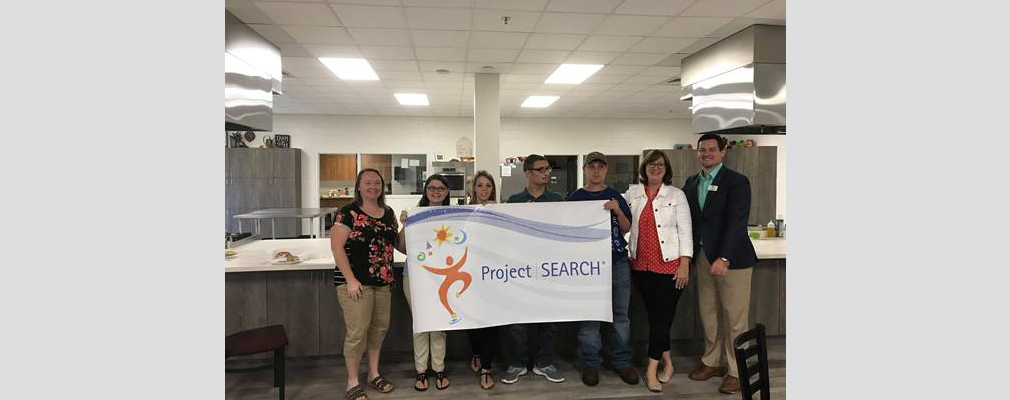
543 230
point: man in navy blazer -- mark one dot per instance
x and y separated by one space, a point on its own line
720 207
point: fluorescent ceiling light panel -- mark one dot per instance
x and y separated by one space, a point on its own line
412 99
573 74
350 69
539 101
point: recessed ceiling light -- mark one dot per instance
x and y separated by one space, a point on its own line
573 74
412 99
350 69
539 101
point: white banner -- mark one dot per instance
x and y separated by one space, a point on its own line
500 264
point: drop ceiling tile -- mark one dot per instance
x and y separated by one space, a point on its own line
609 43
491 20
554 41
569 23
597 78
293 50
527 5
388 52
691 26
673 60
661 71
523 68
431 66
583 6
772 10
542 56
630 25
498 40
365 2
436 38
492 55
519 85
440 54
450 77
653 7
592 57
247 12
639 58
554 89
416 86
394 65
647 79
273 33
399 75
722 8
381 37
620 70
699 44
439 3
593 87
439 18
304 67
499 68
370 16
335 51
317 14
319 34
525 78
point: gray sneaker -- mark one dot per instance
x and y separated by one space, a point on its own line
550 372
513 373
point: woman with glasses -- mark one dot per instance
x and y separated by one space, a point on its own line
660 253
436 193
483 341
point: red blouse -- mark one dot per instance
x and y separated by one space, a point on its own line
648 255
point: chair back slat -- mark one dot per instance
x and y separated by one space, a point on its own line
759 368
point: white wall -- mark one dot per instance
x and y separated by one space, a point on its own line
316 134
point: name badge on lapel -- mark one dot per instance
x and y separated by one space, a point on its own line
713 188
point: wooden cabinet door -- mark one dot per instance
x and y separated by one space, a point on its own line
346 167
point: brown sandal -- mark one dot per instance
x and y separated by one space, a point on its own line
357 393
422 378
475 363
490 378
439 378
381 384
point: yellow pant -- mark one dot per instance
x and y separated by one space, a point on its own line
723 305
366 317
426 343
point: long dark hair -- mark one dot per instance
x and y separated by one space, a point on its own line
357 188
651 156
424 194
473 188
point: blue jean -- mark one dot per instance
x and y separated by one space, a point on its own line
620 331
519 334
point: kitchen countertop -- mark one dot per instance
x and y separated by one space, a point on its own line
255 256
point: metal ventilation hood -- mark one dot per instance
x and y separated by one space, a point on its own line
738 84
252 74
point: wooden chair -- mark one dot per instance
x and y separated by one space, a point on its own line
259 340
759 368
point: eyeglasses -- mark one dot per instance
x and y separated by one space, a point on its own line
541 170
656 165
437 189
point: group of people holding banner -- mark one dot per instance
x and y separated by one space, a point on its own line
703 223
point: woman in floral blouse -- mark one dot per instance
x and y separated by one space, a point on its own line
362 240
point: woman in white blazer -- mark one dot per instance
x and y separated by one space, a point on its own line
661 250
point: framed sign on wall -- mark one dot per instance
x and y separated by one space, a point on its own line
282 141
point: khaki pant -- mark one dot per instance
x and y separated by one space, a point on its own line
366 317
426 342
723 305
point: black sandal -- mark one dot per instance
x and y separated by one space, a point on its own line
439 377
489 378
421 378
381 384
357 393
475 363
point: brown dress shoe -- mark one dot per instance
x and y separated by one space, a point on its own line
590 376
704 372
730 385
628 375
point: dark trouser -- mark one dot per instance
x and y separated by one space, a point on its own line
484 342
519 336
590 341
660 295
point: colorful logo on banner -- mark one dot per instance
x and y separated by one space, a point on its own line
452 272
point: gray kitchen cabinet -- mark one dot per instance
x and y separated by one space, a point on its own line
758 164
258 179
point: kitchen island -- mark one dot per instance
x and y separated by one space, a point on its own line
301 296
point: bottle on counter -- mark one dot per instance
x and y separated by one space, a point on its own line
770 228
